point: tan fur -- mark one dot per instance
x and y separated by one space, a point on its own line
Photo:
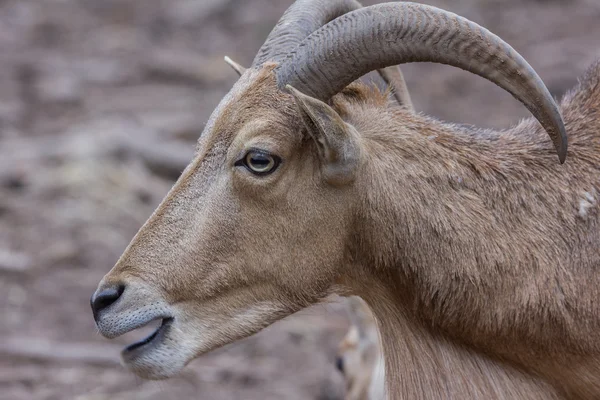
477 251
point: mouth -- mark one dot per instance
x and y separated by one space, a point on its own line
137 348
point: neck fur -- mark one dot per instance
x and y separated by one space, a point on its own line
470 253
424 364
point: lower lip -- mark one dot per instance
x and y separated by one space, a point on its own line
156 337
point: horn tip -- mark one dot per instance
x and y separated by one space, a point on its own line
562 144
562 156
236 67
291 89
229 61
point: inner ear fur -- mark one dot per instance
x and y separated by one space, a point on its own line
337 142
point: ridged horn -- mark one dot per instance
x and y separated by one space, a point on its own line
396 33
394 78
301 19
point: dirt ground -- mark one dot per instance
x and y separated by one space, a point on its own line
100 105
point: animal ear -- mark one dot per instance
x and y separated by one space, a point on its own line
337 142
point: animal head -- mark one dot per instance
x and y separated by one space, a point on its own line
263 221
359 356
221 258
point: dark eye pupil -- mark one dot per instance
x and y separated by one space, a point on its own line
259 160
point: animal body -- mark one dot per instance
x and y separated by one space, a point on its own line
476 250
359 357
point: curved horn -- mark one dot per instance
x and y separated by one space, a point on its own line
300 20
394 78
395 33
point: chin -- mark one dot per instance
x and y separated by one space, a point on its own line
158 356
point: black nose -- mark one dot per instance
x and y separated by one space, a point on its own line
105 298
339 364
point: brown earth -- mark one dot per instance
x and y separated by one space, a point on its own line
100 104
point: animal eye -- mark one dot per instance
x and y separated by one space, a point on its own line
260 162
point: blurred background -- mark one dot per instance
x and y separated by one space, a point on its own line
100 105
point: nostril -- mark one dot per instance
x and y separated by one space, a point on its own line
339 364
105 298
